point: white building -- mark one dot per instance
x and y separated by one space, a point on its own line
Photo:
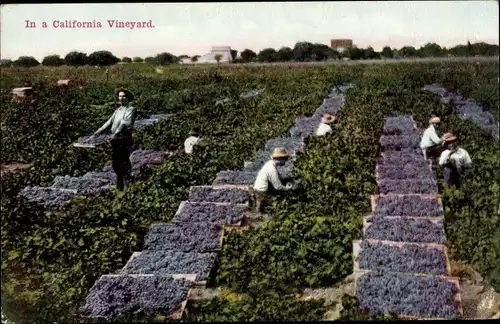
225 51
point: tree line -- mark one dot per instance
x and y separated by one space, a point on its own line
302 52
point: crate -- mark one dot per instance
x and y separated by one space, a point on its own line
356 250
244 187
454 280
367 224
374 198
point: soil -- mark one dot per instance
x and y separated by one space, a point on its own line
12 167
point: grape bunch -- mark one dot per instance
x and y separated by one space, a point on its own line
139 158
412 205
221 195
404 229
46 196
82 185
408 186
209 213
399 125
164 263
405 171
409 258
114 295
185 237
397 142
385 292
235 177
292 144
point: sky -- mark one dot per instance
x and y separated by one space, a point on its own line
193 28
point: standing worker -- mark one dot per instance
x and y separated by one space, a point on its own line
191 141
324 126
269 175
455 161
122 123
431 144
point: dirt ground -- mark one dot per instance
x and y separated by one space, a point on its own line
12 167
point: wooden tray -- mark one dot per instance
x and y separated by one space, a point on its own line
244 187
427 196
84 145
356 249
453 280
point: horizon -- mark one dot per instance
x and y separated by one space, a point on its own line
193 28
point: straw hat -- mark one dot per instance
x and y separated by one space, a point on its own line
280 152
129 94
434 120
449 137
327 119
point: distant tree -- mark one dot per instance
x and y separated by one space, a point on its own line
26 61
150 60
75 59
430 50
194 59
248 55
183 56
369 53
387 52
284 54
102 58
126 59
165 58
353 53
6 62
267 55
52 60
408 51
218 57
321 52
302 51
234 55
137 59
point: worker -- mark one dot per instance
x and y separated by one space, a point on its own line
431 144
455 161
121 122
268 174
324 126
191 141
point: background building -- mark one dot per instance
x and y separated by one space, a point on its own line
340 44
225 51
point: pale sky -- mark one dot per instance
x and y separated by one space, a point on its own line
193 28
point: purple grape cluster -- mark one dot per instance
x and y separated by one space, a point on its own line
398 125
111 176
403 156
139 158
405 171
113 295
164 263
292 144
331 105
192 212
397 142
47 197
83 185
220 195
405 229
468 109
235 177
411 186
304 126
411 205
428 297
185 237
410 258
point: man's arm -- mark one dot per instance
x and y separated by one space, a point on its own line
444 158
106 125
275 180
127 121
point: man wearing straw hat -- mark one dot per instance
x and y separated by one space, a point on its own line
455 161
431 144
324 126
269 175
121 122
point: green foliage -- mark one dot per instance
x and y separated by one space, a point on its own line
52 60
126 59
75 59
350 312
26 61
137 59
102 58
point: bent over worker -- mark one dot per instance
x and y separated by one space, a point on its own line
269 175
191 141
122 123
455 161
324 126
431 144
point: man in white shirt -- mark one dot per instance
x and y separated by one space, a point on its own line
455 161
324 126
268 174
121 122
191 141
431 144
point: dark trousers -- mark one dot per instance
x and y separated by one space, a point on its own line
451 176
435 151
121 150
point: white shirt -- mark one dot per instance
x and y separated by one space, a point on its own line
430 138
323 129
460 158
123 117
189 143
268 174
